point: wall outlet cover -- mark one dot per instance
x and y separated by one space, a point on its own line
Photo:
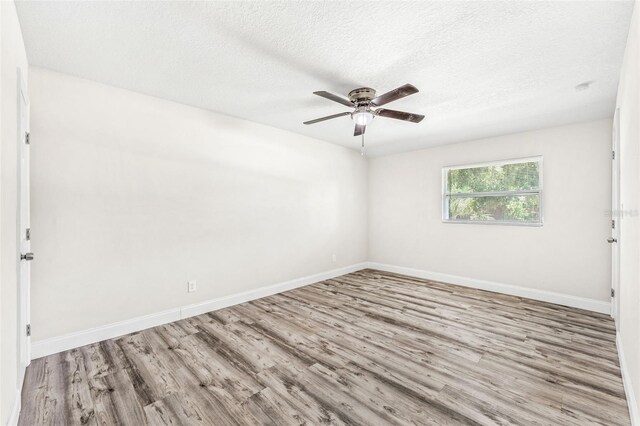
192 286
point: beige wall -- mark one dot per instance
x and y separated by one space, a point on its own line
629 104
132 196
13 56
568 255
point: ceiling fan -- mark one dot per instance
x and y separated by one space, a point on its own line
363 100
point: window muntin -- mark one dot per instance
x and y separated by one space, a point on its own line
501 192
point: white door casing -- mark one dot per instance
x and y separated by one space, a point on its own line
616 216
24 240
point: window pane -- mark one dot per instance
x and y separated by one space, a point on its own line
507 177
514 208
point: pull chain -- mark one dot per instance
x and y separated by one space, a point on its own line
362 149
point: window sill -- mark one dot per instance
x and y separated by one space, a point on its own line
494 222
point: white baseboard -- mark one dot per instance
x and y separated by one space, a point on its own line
15 409
65 342
628 388
54 345
530 293
17 402
236 299
73 340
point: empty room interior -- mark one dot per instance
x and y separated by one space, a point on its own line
318 212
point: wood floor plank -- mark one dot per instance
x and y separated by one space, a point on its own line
115 400
45 393
365 348
300 400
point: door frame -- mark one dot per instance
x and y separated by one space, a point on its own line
616 217
23 222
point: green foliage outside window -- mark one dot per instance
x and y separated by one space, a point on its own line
466 185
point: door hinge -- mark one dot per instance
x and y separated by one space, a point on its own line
613 293
613 224
28 330
27 138
613 155
27 234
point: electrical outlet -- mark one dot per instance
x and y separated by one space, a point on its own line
192 286
334 258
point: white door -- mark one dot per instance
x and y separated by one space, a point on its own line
24 239
616 216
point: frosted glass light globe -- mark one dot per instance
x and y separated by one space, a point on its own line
362 117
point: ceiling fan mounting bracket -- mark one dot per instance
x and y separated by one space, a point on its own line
362 95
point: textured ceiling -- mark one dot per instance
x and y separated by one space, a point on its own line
483 68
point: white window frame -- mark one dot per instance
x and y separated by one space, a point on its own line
539 192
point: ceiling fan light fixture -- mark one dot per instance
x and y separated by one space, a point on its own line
362 117
363 100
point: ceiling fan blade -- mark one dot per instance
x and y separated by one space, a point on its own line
328 117
359 130
400 115
394 95
335 98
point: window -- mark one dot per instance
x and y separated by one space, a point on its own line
502 192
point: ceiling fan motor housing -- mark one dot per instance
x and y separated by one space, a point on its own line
362 95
